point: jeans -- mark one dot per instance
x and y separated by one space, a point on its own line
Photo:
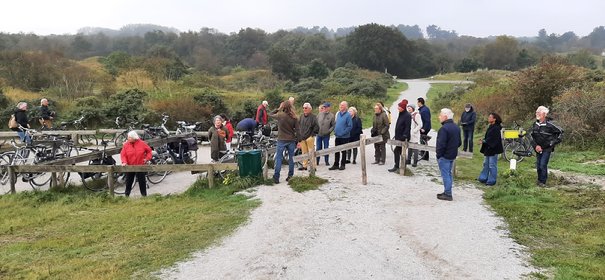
490 170
279 157
542 166
24 137
445 166
322 142
468 139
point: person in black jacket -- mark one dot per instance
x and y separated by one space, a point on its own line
356 131
425 115
467 121
46 115
491 147
545 136
448 141
21 118
402 130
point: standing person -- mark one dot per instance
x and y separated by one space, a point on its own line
402 131
416 124
46 115
448 141
491 147
467 121
229 127
327 123
387 111
425 115
287 135
342 131
546 136
261 113
217 134
308 127
21 118
135 152
380 126
356 131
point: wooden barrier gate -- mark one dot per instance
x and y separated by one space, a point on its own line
405 145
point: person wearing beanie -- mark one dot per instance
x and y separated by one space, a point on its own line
416 125
467 121
402 131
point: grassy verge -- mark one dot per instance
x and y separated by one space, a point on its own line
74 234
434 103
306 183
392 94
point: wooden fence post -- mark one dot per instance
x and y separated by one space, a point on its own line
211 177
312 162
53 180
12 176
404 157
110 181
362 154
266 171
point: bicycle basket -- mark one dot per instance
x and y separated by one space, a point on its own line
511 134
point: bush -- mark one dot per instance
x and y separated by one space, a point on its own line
274 97
314 97
212 101
128 105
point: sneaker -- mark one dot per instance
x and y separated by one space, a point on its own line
334 167
444 196
342 167
394 169
541 185
414 164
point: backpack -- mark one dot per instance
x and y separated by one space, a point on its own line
12 123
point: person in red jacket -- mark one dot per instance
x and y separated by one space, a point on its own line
261 113
135 152
230 131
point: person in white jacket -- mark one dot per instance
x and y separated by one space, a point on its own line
414 133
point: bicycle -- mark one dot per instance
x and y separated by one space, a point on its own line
88 139
97 181
517 144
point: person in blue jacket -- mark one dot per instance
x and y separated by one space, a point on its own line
342 131
448 141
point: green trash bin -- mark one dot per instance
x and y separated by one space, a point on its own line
249 163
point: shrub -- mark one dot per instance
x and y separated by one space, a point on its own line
212 101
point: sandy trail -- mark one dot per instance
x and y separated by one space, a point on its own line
392 228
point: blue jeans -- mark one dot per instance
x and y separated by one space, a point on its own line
24 137
322 142
468 139
445 166
542 166
279 156
490 170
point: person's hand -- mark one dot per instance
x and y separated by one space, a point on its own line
480 141
124 164
539 149
422 130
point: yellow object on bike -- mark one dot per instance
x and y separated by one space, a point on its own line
511 134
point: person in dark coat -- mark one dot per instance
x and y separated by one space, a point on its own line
467 121
402 131
46 115
545 135
356 131
21 118
217 134
491 147
380 127
448 141
425 115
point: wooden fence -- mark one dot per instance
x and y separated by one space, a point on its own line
404 150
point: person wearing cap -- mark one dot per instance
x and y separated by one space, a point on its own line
308 128
416 124
261 113
402 131
135 152
380 127
327 123
425 114
467 121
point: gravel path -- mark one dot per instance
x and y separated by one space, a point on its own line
392 228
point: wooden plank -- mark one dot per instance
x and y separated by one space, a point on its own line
403 159
426 148
119 168
362 154
339 148
312 162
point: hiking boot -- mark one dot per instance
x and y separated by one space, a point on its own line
342 167
444 196
394 169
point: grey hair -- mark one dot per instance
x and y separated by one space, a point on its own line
543 109
133 134
43 100
265 102
307 104
353 109
346 103
21 104
218 117
448 113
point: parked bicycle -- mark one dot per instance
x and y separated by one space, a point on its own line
517 144
87 139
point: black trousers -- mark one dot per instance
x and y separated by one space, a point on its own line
337 156
142 182
352 152
426 154
397 152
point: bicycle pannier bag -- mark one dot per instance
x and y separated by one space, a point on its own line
12 122
191 143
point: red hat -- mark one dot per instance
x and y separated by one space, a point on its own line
403 104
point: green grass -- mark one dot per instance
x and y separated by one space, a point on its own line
303 184
434 104
73 234
590 162
455 76
392 94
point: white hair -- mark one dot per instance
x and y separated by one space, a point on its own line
21 105
43 100
133 134
542 109
265 103
307 104
353 109
448 113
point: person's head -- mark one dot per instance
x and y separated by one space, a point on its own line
401 106
327 106
541 113
265 103
411 108
291 99
307 109
344 106
420 102
468 107
287 108
445 114
321 108
353 111
22 106
224 117
44 102
377 108
494 118
218 121
133 136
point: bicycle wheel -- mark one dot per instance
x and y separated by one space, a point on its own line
88 139
4 177
157 177
120 139
38 180
422 153
511 151
119 183
94 181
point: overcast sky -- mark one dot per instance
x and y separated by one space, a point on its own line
479 18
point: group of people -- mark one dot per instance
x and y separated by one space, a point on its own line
20 113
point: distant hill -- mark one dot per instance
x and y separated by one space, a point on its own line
127 30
